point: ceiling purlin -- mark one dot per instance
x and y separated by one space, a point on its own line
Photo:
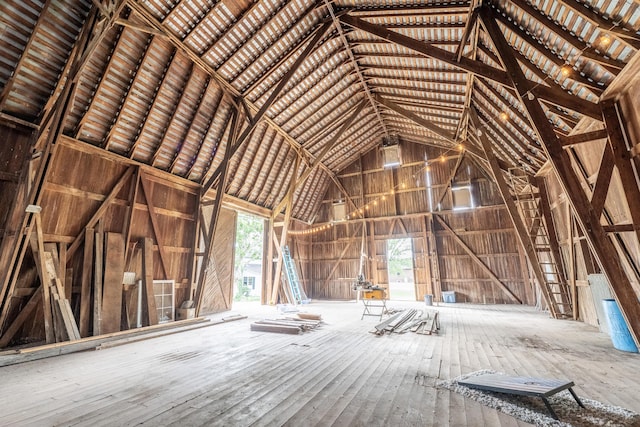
339 91
77 131
546 53
326 126
625 32
259 33
228 89
106 141
527 145
265 153
319 124
247 175
614 66
201 103
269 70
321 78
394 10
226 31
356 66
174 112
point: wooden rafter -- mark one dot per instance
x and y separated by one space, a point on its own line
272 97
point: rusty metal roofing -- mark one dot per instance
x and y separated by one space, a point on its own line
165 75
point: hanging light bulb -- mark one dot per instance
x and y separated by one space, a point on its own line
605 40
565 70
504 116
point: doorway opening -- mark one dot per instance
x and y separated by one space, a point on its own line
400 270
248 259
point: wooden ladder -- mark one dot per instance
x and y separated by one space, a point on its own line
555 289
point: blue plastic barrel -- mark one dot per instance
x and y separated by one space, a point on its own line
620 335
428 299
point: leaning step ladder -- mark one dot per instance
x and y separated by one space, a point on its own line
297 293
555 288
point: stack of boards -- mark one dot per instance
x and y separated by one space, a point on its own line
418 321
297 324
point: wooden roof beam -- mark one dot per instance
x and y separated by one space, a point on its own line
478 68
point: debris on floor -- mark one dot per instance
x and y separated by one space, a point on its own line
293 324
401 321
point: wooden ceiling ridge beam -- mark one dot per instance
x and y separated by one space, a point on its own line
478 68
338 24
327 148
598 240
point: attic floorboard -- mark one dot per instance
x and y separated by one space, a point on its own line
337 375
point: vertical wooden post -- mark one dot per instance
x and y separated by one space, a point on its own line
572 260
85 293
147 280
97 279
267 286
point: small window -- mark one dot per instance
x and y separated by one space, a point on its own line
249 282
462 198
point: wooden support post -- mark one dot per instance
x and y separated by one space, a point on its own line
478 261
98 274
37 247
434 258
572 260
147 281
268 263
113 275
85 293
598 240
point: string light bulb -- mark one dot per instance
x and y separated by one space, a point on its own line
565 70
504 116
605 39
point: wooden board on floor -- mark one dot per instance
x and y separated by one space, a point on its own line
112 291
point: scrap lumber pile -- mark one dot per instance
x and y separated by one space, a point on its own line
418 321
302 322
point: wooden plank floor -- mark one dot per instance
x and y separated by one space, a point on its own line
338 375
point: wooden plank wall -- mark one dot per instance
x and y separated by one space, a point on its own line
81 179
395 204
